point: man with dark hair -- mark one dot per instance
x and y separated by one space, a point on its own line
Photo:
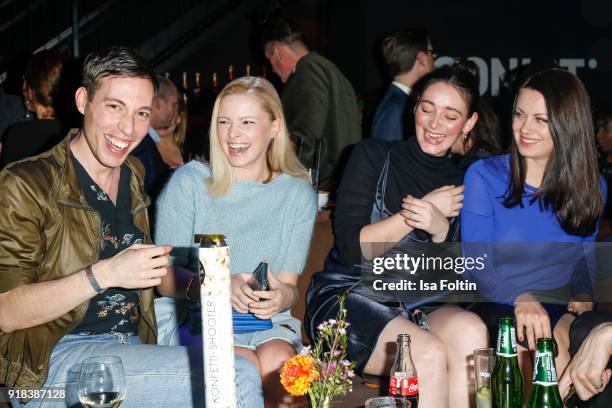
318 100
77 269
409 56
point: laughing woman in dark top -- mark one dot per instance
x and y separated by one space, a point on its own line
405 192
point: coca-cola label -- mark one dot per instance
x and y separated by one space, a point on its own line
394 385
410 386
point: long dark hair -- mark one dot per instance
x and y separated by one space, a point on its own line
570 186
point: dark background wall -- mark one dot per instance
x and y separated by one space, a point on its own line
206 36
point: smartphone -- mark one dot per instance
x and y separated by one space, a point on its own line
259 280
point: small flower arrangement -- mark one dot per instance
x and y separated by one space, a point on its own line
323 370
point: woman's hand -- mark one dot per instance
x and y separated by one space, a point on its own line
281 295
424 215
531 318
242 294
447 199
580 304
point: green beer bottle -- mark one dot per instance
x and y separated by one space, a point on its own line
507 381
545 390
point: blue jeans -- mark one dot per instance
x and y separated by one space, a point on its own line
156 376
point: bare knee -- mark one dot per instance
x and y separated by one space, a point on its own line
473 331
273 354
561 330
249 355
431 355
461 331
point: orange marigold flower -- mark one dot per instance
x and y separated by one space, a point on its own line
298 373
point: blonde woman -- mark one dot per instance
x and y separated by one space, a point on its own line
257 194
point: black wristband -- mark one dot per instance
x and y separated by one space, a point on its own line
92 280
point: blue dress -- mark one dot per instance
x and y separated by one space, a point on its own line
526 248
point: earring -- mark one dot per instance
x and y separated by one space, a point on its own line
28 110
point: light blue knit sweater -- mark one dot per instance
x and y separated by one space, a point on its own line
272 221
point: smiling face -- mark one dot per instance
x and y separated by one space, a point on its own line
245 130
441 117
530 127
115 120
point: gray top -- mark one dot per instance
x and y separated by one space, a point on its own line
272 221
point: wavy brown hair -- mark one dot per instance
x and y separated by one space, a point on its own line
570 186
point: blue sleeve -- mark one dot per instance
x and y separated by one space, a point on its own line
585 270
477 227
582 280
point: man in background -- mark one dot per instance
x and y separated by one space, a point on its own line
409 56
165 111
318 100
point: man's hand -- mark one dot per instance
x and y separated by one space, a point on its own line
532 318
139 266
447 199
424 215
281 296
587 370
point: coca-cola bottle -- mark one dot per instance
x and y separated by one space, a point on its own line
403 379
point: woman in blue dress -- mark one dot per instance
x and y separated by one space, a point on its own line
542 202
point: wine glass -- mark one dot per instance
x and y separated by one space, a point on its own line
102 382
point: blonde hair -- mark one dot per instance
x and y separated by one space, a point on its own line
280 156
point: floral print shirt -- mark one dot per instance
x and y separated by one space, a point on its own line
112 311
